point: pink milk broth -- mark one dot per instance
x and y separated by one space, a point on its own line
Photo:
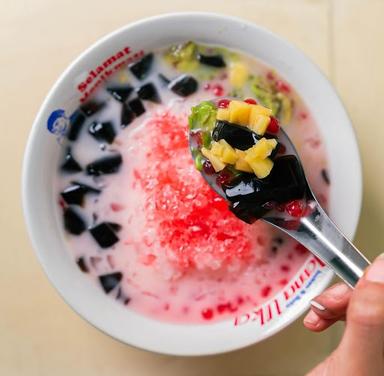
183 256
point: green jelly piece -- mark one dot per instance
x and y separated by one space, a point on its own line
286 107
183 56
199 160
203 116
207 139
280 104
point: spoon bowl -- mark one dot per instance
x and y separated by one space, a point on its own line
313 228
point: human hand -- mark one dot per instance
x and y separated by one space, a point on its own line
361 350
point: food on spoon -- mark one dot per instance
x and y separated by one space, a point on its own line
262 149
239 141
221 148
238 137
216 162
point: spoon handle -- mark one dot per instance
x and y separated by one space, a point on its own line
322 237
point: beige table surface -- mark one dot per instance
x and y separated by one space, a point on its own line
39 333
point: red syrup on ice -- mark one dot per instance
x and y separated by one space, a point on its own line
199 226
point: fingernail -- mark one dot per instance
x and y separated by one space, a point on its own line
312 319
317 305
337 291
375 272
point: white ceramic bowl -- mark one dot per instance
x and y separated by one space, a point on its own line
41 160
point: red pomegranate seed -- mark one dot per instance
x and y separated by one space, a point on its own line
207 313
295 208
250 101
223 103
282 86
207 86
303 115
273 126
260 240
285 268
283 282
116 207
198 138
265 291
62 203
136 174
301 250
240 300
281 149
322 199
147 242
149 259
223 178
208 168
270 75
221 308
218 90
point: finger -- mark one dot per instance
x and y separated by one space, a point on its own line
328 308
316 323
333 302
364 333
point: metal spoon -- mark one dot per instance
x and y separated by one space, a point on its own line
315 231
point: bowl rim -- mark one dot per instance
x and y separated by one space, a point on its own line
33 137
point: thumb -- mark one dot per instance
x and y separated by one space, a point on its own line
363 341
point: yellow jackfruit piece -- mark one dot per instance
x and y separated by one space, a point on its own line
217 164
238 74
261 167
217 149
239 112
262 149
259 124
222 114
229 154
